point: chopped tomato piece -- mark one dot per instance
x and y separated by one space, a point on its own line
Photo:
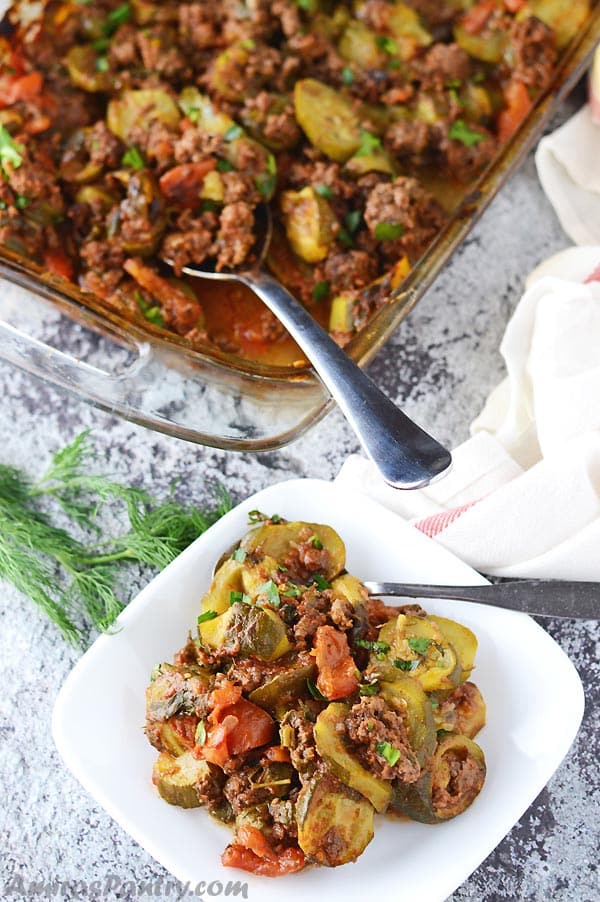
59 263
288 861
513 6
475 20
337 670
252 838
24 87
237 726
182 184
518 104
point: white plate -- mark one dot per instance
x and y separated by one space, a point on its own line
533 694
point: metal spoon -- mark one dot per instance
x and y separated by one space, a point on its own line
405 455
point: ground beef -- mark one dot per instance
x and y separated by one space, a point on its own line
196 145
104 262
285 826
249 786
250 673
534 50
349 270
308 623
404 202
239 187
342 613
196 25
302 748
462 782
468 162
304 559
371 722
435 12
103 147
444 63
209 790
157 143
408 139
236 235
455 713
380 612
123 48
192 243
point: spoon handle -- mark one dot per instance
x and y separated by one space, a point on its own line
405 455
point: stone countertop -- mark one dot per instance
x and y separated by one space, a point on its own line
440 365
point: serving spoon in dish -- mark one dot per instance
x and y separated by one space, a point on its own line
406 456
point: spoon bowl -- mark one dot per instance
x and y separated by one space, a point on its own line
406 456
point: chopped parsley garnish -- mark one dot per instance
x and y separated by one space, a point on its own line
193 114
345 238
266 184
271 164
378 648
256 516
405 665
208 615
248 44
21 202
306 5
3 204
270 590
117 17
347 76
369 144
388 231
152 313
387 751
387 44
225 166
233 132
368 688
10 151
419 644
102 64
239 555
291 591
200 734
453 83
132 157
312 688
352 220
316 543
156 671
101 45
239 598
324 191
434 703
460 131
320 582
320 292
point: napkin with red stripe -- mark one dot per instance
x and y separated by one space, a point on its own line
523 496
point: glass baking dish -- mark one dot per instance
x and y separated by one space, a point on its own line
55 331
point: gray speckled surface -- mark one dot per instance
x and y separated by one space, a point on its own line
441 363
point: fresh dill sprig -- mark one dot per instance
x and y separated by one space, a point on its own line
74 581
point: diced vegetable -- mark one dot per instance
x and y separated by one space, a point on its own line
341 315
327 118
564 17
278 541
419 644
358 45
337 671
227 69
182 185
200 110
176 778
441 794
404 24
86 71
283 688
259 631
518 104
345 766
335 824
310 223
141 107
236 726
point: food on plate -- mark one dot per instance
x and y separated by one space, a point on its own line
299 707
135 132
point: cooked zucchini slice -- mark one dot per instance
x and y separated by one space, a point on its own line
335 824
564 17
407 697
464 642
278 692
310 223
454 781
176 778
327 118
278 540
141 108
332 748
227 579
248 629
462 712
418 645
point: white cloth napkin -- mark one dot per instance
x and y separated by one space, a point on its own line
523 497
568 165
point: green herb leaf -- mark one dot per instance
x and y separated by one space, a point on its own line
233 132
324 191
419 644
320 582
320 291
347 76
208 615
101 45
270 590
388 231
266 184
453 84
239 598
291 591
369 144
352 220
316 542
368 688
102 64
193 114
248 44
434 703
405 665
387 751
156 671
10 151
21 202
378 648
132 157
225 166
149 311
271 164
460 131
117 17
239 555
312 688
345 238
387 44
200 734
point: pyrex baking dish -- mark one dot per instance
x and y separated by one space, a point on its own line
211 397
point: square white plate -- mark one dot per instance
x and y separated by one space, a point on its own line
99 712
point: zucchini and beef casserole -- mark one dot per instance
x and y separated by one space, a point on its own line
300 707
135 132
